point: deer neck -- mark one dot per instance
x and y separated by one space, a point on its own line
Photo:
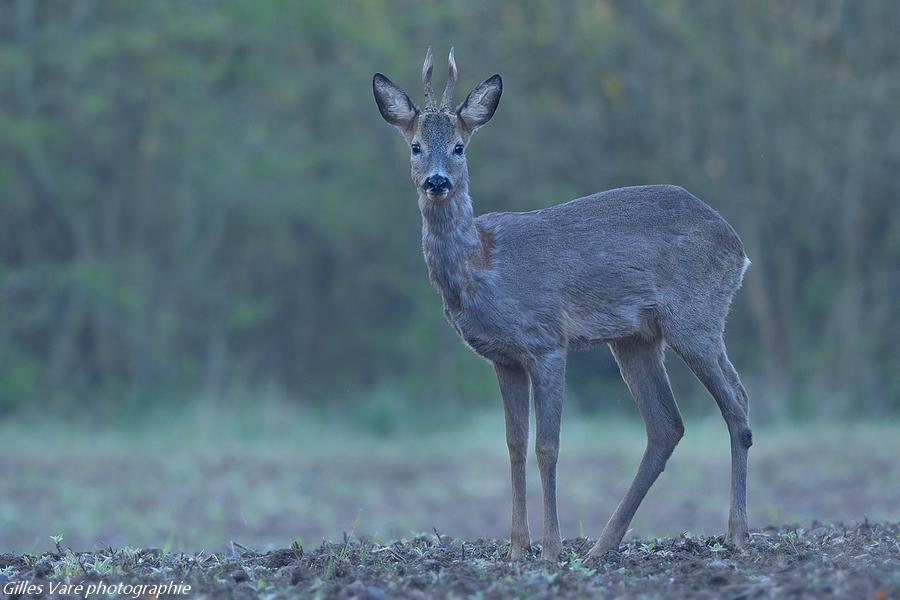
453 248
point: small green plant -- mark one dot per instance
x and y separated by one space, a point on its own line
334 559
365 552
103 566
297 547
576 565
57 540
69 566
648 548
8 571
717 547
480 566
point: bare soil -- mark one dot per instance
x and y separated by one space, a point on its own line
860 561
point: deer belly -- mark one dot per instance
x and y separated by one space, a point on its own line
481 345
489 349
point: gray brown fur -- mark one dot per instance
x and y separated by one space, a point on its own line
638 268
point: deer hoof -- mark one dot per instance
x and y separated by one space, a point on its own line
551 550
517 551
739 537
601 548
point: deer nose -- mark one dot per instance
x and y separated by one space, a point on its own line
437 183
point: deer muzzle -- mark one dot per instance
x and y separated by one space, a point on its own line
437 186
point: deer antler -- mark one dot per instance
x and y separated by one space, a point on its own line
447 99
426 82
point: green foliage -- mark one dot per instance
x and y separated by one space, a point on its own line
196 197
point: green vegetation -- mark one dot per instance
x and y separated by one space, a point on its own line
200 198
280 476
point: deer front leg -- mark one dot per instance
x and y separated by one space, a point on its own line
548 383
514 389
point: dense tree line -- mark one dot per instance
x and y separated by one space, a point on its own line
198 197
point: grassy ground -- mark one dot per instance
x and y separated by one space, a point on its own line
271 475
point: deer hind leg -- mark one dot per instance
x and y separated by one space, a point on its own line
709 362
548 382
641 364
513 382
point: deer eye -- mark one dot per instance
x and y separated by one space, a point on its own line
458 150
416 148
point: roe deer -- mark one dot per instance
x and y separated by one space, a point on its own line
638 268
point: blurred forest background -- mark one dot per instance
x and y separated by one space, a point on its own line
199 200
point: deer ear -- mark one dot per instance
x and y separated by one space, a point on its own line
395 106
479 106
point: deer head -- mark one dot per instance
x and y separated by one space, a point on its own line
437 135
